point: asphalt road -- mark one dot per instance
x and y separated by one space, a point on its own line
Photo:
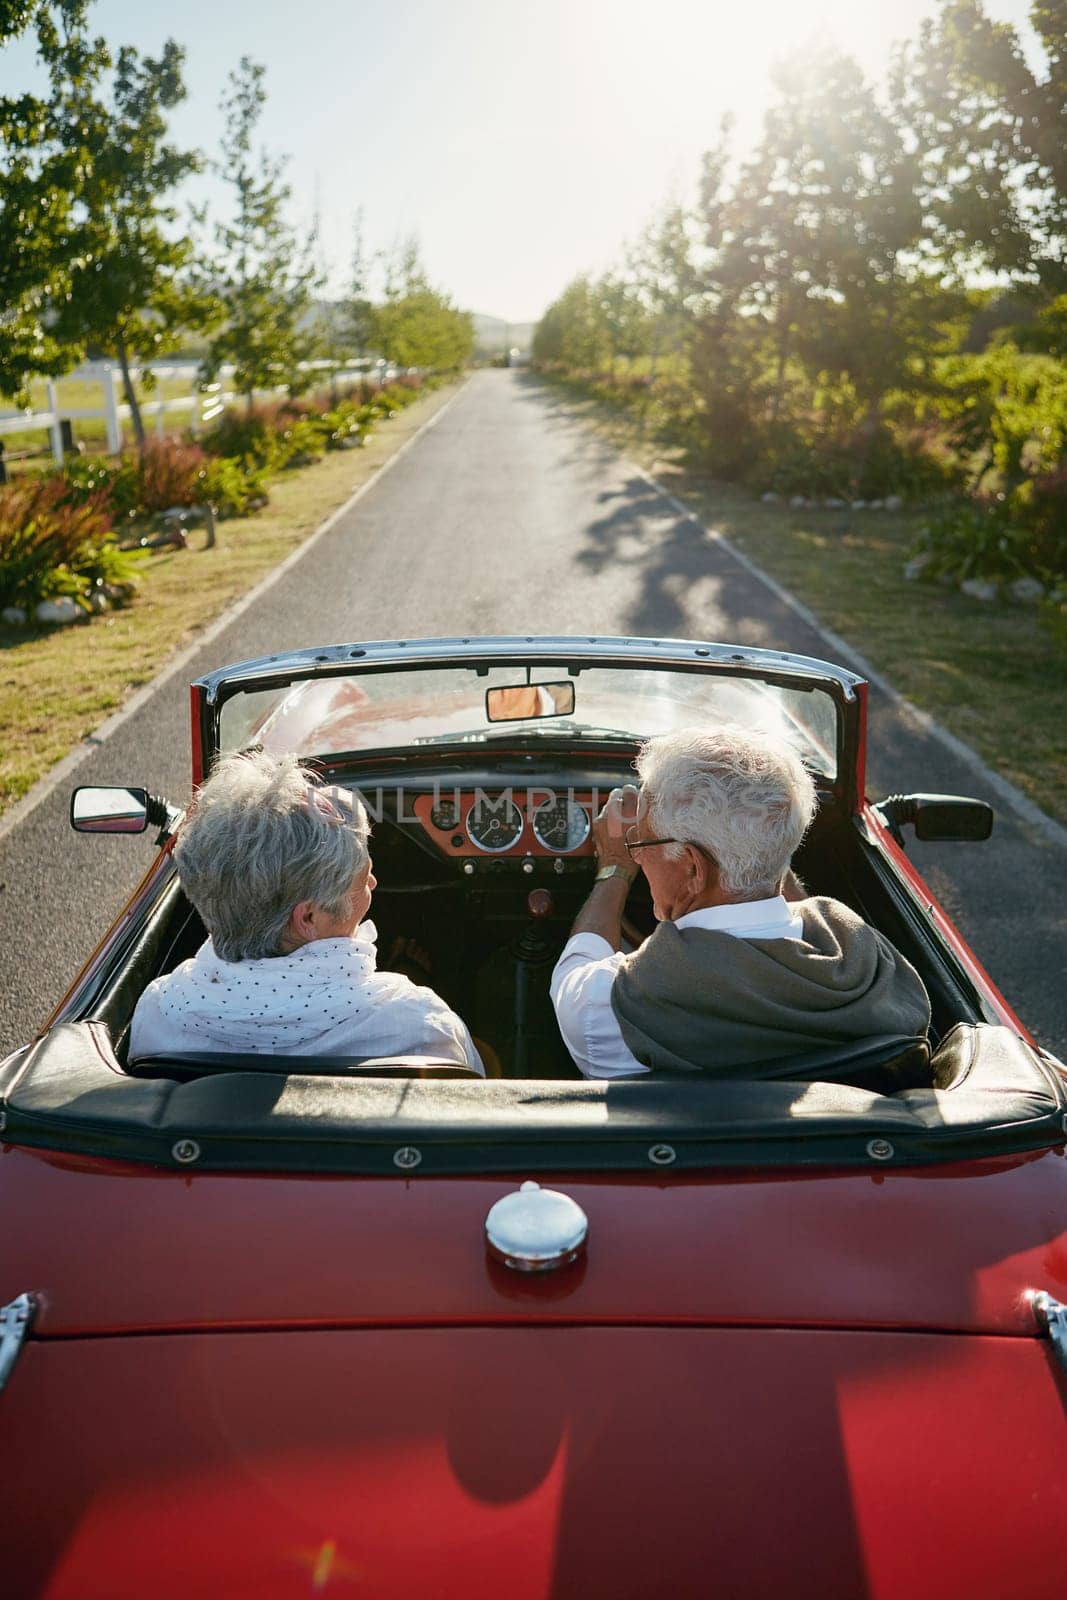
510 517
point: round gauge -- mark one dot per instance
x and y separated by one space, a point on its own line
561 824
494 825
445 816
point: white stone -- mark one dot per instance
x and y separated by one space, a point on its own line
894 502
876 505
770 498
979 589
798 502
98 601
832 503
916 566
63 609
14 616
859 505
1026 590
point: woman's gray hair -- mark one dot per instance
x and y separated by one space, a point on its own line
263 836
745 796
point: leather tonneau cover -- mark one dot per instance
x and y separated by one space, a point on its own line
70 1093
537 1464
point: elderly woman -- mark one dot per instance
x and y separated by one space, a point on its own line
279 870
743 975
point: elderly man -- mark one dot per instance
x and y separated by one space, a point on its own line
279 869
742 974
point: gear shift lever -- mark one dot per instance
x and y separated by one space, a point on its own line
532 949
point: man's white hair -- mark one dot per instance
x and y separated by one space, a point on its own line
745 796
263 836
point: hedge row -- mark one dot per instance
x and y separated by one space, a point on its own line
71 534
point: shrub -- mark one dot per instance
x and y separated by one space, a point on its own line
169 474
301 440
87 477
972 539
49 546
794 458
1017 535
248 435
1039 508
230 485
166 475
340 423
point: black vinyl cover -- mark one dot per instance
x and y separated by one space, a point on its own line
69 1092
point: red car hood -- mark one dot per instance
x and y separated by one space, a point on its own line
746 1390
537 1464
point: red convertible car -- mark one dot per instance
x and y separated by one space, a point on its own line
266 1329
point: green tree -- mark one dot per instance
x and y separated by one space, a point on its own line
131 292
417 325
573 330
990 137
819 240
44 172
264 276
358 308
624 317
661 267
546 346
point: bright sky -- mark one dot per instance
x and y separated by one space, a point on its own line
522 140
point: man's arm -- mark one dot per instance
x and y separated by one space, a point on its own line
602 911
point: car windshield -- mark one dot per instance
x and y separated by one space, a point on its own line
396 709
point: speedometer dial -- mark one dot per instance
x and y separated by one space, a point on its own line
561 824
494 825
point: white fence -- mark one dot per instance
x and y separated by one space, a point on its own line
201 405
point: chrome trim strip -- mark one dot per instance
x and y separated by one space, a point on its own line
16 1319
1051 1318
550 648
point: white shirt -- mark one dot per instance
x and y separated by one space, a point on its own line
585 972
325 999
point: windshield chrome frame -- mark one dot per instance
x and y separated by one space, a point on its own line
847 689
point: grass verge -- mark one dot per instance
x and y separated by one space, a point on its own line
58 684
990 672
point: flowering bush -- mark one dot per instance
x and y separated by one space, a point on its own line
50 547
56 529
169 474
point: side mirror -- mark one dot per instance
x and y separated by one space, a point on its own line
109 810
937 816
115 810
518 702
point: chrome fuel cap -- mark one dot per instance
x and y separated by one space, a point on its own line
535 1229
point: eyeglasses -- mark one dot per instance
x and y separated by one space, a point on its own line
646 844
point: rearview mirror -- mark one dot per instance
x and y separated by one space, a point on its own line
516 704
109 810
